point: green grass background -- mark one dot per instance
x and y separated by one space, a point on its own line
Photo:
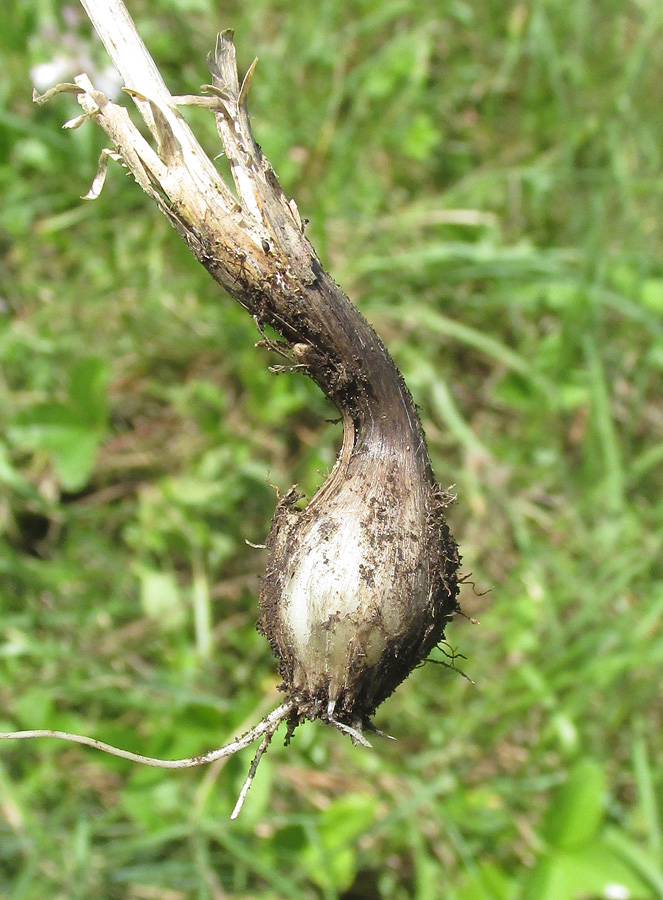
485 181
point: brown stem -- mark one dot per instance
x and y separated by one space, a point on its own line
362 581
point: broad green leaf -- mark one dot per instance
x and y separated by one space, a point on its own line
345 820
154 804
331 859
577 807
74 453
72 447
87 390
333 871
70 432
632 854
593 871
488 882
34 708
652 294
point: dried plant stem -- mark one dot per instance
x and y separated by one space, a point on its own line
266 726
361 582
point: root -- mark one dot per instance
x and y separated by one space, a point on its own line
356 734
264 744
369 726
466 579
266 727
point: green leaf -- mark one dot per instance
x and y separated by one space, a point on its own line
594 871
74 452
488 882
34 708
652 294
577 807
70 432
10 477
87 391
649 807
161 598
345 820
331 872
154 804
331 859
72 448
623 847
421 138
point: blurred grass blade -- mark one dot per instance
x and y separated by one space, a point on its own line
436 323
647 798
627 850
202 610
605 424
645 462
445 404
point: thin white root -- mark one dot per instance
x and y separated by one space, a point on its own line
264 744
383 734
356 735
266 726
255 546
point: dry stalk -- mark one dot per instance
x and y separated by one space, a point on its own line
360 582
